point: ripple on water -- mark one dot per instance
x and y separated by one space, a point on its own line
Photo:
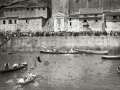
46 63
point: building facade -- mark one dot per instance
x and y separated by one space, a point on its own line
25 16
113 21
86 20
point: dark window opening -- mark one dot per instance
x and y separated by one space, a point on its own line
96 20
114 17
27 8
85 21
96 15
15 21
43 8
70 23
4 22
31 9
70 19
10 21
11 10
76 1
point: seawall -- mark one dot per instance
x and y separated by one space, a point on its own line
83 42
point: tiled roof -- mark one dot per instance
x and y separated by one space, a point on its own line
91 11
112 13
24 3
20 17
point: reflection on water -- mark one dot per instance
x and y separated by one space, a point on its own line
62 72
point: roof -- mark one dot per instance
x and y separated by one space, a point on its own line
25 3
112 13
20 17
85 17
91 11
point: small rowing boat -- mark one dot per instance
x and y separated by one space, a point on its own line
111 57
29 78
92 51
13 68
59 51
118 68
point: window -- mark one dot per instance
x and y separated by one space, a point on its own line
96 20
27 8
70 23
70 19
31 9
26 21
10 21
15 21
11 10
84 20
114 17
43 8
76 1
4 22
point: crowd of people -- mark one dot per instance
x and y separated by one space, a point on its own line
61 33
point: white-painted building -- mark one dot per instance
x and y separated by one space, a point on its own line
86 19
113 21
24 15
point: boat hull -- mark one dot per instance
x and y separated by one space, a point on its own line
48 52
26 82
92 52
110 57
11 69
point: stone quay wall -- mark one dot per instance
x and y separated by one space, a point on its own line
82 42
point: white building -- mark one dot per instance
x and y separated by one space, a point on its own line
24 15
112 21
86 19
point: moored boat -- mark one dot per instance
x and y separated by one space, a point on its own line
59 51
111 57
10 52
14 67
29 78
92 51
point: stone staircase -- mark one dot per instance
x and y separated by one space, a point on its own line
49 26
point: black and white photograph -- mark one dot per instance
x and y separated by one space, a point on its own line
59 44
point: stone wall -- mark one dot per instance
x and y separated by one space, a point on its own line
83 42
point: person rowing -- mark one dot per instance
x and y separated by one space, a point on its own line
6 65
39 59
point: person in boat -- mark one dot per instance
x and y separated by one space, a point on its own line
119 66
6 65
71 50
39 59
15 65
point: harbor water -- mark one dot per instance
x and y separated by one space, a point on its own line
62 72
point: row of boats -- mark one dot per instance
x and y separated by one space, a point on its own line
79 51
21 81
